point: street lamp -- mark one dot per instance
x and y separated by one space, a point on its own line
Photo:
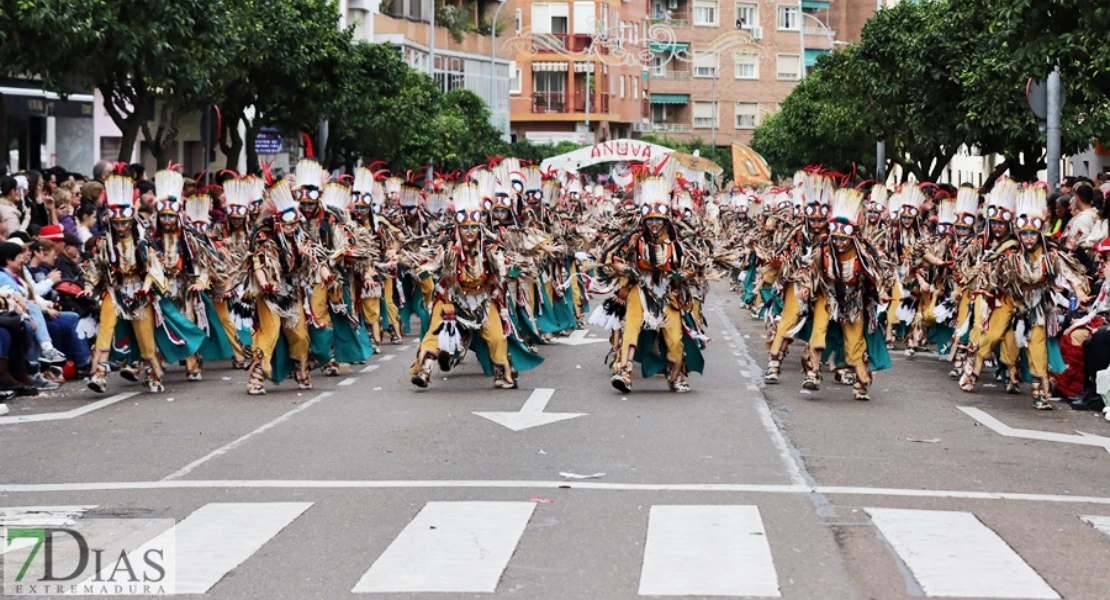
802 36
590 68
493 57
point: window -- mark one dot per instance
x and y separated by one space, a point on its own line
705 12
516 79
549 82
585 19
705 115
658 113
519 20
747 15
635 87
747 65
705 64
658 65
622 85
789 65
746 115
550 17
788 18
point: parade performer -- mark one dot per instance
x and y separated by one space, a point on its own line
283 265
469 302
648 267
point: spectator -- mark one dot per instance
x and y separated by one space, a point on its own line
86 220
63 209
69 260
101 170
35 201
12 259
138 171
11 217
1101 228
1085 217
146 192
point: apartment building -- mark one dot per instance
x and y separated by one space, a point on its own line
728 64
578 73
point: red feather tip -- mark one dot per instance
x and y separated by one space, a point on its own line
266 170
345 179
234 174
376 163
382 174
308 152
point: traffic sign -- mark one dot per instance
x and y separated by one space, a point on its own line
1036 95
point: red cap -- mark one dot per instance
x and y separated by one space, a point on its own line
53 233
1103 246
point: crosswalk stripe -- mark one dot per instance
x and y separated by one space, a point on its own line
36 516
1100 523
707 551
216 538
450 547
953 554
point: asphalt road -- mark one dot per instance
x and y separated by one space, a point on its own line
364 487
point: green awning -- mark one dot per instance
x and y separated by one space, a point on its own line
815 5
812 54
670 98
671 47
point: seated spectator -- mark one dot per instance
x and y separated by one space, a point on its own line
69 260
86 221
1096 346
63 210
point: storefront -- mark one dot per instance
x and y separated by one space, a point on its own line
40 129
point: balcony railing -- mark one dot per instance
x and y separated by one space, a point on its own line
675 19
661 127
549 102
599 102
575 43
665 74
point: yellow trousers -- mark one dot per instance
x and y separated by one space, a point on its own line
789 320
427 289
229 328
392 312
998 333
575 290
320 303
372 314
143 328
634 323
267 329
492 333
855 344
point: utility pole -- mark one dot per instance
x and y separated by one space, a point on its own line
493 66
432 44
1053 129
713 136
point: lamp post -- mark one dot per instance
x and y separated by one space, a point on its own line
802 30
493 57
590 68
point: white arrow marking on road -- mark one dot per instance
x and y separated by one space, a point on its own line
69 414
577 338
1082 439
531 414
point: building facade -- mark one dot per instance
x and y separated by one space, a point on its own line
729 64
579 70
40 129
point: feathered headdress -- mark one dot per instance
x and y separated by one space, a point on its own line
197 208
336 197
1002 200
817 192
468 204
847 208
1032 207
653 198
310 178
946 212
362 191
393 185
169 186
880 198
238 194
683 204
967 206
436 204
533 179
574 188
550 192
120 191
284 204
912 200
410 197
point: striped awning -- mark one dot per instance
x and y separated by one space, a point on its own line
670 98
549 66
815 5
671 47
582 66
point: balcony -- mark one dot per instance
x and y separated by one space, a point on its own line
672 75
599 102
661 127
563 43
549 102
676 18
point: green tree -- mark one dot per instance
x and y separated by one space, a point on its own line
134 53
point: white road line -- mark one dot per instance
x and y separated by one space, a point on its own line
69 414
1100 523
952 554
183 471
726 488
387 357
450 547
215 539
369 368
348 381
36 516
707 551
402 348
766 419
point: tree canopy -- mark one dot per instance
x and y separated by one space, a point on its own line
928 78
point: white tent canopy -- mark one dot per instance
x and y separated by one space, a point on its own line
611 151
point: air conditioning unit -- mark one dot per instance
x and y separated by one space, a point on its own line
672 4
757 32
